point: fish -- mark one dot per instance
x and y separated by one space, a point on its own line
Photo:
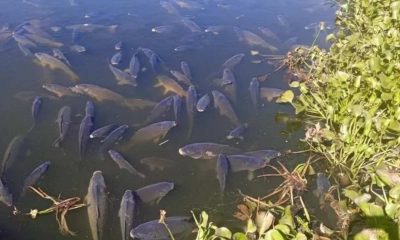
118 46
35 30
206 150
192 26
239 163
124 164
102 131
228 77
53 63
190 5
151 133
113 137
155 62
5 195
289 42
147 51
29 96
269 34
282 21
162 29
85 129
181 77
177 105
96 200
78 48
154 192
180 228
134 66
89 27
24 41
161 109
191 100
238 132
58 54
203 103
89 109
64 121
122 77
169 7
270 93
126 213
101 94
25 50
170 85
231 62
42 40
59 90
155 163
253 40
222 169
265 155
116 58
186 70
11 154
35 109
34 176
184 48
323 186
214 29
224 107
254 89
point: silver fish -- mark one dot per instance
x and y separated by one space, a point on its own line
85 129
203 103
269 34
5 195
154 192
126 213
270 93
122 77
58 54
123 163
222 104
64 121
96 200
89 109
113 137
53 63
35 109
181 77
59 90
11 154
34 176
222 170
233 61
25 50
116 58
161 109
186 70
134 66
24 41
227 77
238 132
162 29
89 27
214 29
265 155
206 150
191 100
192 26
254 89
151 133
253 40
245 163
78 48
177 105
103 131
118 46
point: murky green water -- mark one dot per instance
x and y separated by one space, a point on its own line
196 185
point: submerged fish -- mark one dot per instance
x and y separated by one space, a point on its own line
169 7
89 27
118 46
154 192
59 90
96 200
269 34
222 104
122 77
23 41
113 137
155 163
53 63
179 227
151 133
42 40
245 163
227 77
192 26
191 100
161 109
5 195
124 164
206 150
233 61
134 66
180 77
116 58
25 50
184 48
85 129
265 155
177 105
35 109
238 132
11 154
254 89
58 54
64 121
126 213
270 93
34 176
78 48
102 131
253 40
203 103
170 85
162 29
323 186
214 29
186 70
89 109
222 171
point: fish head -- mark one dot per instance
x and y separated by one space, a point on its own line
191 150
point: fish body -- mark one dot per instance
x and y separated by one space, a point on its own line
53 63
134 66
89 27
161 109
254 40
103 131
154 192
180 228
239 163
64 121
224 107
89 109
59 90
85 129
25 50
186 70
192 26
11 154
122 77
191 100
170 85
177 105
227 77
42 40
24 41
35 109
206 150
155 62
269 34
254 89
123 163
203 103
265 155
116 58
214 29
181 77
222 171
151 133
34 176
5 195
155 163
126 213
238 132
323 185
270 93
60 55
113 137
118 46
162 29
78 48
96 200
169 7
231 62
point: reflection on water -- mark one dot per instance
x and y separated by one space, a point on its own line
142 39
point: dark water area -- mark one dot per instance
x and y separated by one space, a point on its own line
272 126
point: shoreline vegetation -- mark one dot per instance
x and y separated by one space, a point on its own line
349 99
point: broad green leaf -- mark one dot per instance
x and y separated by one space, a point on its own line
294 84
273 235
223 232
391 210
282 228
343 76
300 236
264 221
204 219
286 97
351 194
239 236
371 210
395 192
287 218
371 233
251 227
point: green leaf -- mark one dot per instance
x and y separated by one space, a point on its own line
286 97
282 228
371 210
223 232
251 227
371 233
287 218
395 192
239 236
273 235
391 210
300 236
294 84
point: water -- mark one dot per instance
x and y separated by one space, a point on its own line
196 184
